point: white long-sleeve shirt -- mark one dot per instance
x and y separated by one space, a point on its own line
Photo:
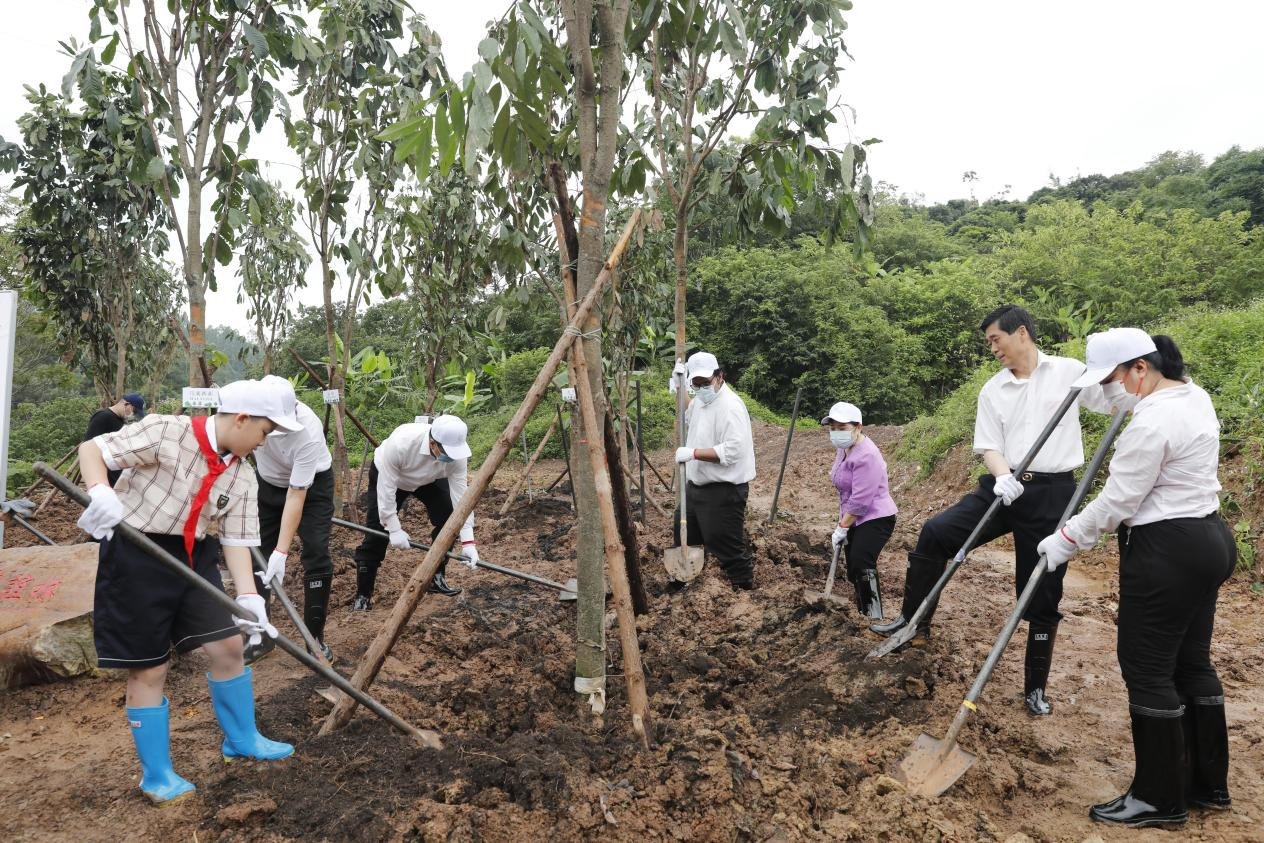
1012 412
724 425
404 462
295 459
1164 466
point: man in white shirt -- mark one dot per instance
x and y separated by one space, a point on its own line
719 461
296 497
1013 408
425 461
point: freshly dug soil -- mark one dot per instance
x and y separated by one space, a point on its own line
769 722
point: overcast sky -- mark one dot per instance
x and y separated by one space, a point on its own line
1014 91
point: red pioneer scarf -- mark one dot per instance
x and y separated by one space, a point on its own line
217 467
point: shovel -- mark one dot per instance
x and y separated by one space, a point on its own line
932 766
909 630
683 563
814 597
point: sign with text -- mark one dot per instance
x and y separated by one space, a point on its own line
196 397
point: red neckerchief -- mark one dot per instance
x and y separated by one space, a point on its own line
216 467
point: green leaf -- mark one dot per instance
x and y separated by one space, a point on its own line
258 44
156 168
442 131
107 55
488 48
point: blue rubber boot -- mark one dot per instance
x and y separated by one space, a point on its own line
234 701
151 732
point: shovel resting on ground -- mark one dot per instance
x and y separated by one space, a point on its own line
932 766
814 597
683 563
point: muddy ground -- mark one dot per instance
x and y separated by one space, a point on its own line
770 724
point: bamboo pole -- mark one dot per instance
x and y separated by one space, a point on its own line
513 493
415 589
364 430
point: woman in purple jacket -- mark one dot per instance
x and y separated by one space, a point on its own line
866 513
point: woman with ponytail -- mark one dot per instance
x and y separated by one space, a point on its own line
1175 551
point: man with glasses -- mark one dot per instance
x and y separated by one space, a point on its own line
429 462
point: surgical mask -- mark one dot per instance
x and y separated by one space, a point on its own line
706 394
841 438
1119 397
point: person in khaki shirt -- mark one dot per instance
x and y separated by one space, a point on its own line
189 490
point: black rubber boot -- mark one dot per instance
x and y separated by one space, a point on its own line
920 577
1036 668
439 585
266 644
316 603
868 596
1157 794
1206 753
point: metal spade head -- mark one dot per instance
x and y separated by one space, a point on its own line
683 564
932 766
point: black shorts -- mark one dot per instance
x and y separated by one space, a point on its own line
143 610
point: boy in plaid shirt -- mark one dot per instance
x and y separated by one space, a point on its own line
183 479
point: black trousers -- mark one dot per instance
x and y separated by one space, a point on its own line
1170 573
372 550
716 516
1036 514
864 543
313 527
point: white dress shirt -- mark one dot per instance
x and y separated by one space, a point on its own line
725 426
1164 466
1012 412
294 459
404 462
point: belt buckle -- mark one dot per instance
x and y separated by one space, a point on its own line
1027 477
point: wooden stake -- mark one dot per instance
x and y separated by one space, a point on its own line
513 493
364 430
623 515
73 473
56 467
415 589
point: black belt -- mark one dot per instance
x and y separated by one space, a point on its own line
1045 476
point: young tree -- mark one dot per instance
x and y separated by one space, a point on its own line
203 67
274 264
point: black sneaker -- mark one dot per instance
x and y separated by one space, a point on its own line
362 603
439 585
1037 704
254 652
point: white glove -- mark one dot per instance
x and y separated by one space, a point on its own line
840 536
275 572
18 506
684 455
103 514
1057 549
675 376
399 540
255 629
470 550
1007 489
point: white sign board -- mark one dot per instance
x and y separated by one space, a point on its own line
331 396
8 333
196 397
422 420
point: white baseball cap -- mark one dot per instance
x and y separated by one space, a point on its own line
843 413
1106 350
702 364
450 432
273 398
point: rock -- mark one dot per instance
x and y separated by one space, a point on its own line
247 810
46 596
883 785
916 688
1019 837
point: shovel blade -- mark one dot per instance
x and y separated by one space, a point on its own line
681 566
931 766
896 641
814 598
572 590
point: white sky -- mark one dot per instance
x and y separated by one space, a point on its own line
1012 90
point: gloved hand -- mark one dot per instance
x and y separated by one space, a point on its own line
399 540
675 376
1007 488
103 514
18 506
255 629
1057 549
684 454
840 536
470 551
275 572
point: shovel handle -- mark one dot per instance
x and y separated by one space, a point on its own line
829 580
313 646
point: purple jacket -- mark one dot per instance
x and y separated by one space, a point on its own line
860 475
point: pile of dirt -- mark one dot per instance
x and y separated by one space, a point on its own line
769 722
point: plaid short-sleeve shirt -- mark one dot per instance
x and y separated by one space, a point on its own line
166 470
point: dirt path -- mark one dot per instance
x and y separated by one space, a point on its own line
771 724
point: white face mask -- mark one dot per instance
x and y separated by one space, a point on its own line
841 438
706 394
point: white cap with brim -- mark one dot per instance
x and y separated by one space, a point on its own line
843 413
273 400
702 364
451 432
1107 350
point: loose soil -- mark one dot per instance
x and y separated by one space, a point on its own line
769 722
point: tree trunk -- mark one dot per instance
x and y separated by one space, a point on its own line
194 282
680 251
623 514
335 381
